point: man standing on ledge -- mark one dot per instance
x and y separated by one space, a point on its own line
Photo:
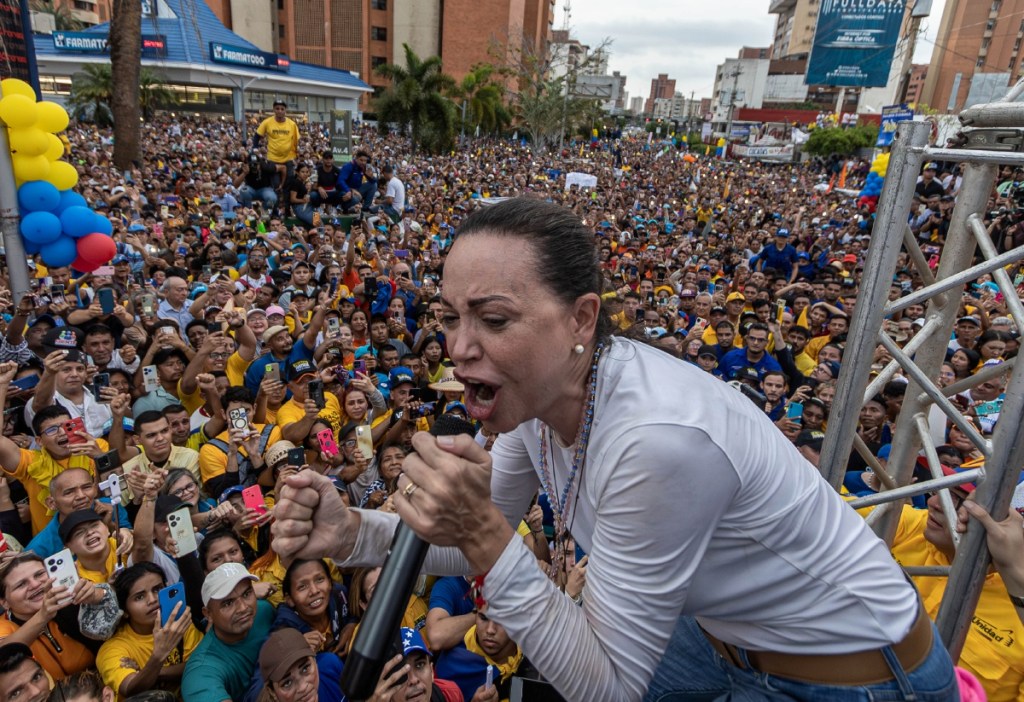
282 135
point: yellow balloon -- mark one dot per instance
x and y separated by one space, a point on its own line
29 142
13 86
54 147
30 167
18 111
52 117
63 175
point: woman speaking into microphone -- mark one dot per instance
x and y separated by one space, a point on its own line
719 560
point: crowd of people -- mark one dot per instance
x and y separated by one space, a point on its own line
270 311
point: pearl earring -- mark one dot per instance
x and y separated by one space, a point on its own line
578 348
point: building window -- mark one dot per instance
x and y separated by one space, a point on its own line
84 5
376 61
990 25
379 4
280 31
981 61
379 33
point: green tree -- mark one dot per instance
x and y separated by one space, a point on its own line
482 99
92 91
835 140
63 19
416 100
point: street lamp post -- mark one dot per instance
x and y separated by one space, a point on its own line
242 84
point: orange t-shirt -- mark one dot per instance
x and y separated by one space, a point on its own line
59 654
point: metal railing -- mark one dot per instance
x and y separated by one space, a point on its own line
993 136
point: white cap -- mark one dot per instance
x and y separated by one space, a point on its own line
223 579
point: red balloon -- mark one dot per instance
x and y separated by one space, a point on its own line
80 264
96 248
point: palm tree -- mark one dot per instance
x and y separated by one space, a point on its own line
63 19
90 94
482 99
92 91
126 61
415 99
154 93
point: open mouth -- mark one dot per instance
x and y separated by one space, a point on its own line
481 398
317 603
93 542
37 595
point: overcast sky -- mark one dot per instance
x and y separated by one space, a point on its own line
685 38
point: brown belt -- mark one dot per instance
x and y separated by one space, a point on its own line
862 668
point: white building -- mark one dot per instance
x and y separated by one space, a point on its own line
739 83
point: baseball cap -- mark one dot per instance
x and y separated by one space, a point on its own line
814 439
412 641
748 373
67 338
833 367
273 331
223 579
688 292
718 309
969 318
707 350
165 505
930 166
850 258
282 103
275 309
137 228
43 318
966 487
118 259
347 429
282 649
298 368
782 232
256 310
735 296
75 520
399 375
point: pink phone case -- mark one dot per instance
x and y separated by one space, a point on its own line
327 445
252 497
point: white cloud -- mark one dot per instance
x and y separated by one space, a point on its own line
686 39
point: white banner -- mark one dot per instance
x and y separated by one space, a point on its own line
764 153
580 180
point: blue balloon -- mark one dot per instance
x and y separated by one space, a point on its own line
78 221
69 198
59 253
40 227
103 225
31 247
38 196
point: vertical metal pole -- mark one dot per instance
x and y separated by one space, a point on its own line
14 248
957 254
891 219
994 493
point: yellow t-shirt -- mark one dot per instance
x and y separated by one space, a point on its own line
108 567
128 645
36 485
191 401
292 411
282 139
235 369
214 462
993 651
180 457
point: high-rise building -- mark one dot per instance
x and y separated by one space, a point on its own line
794 28
636 104
661 87
915 82
360 35
975 38
85 12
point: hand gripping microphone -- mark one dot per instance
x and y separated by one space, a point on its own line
380 624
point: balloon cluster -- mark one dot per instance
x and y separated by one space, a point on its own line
56 222
873 185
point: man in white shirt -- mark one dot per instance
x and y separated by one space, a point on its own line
394 194
63 383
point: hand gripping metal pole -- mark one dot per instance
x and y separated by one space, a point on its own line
879 266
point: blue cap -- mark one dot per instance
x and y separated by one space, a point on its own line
120 258
782 232
412 640
399 375
137 228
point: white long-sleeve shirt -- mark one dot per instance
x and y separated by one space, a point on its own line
691 502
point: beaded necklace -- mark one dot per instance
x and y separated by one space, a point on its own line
560 506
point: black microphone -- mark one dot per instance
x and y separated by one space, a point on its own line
374 642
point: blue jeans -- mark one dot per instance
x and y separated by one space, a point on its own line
267 196
691 671
304 212
367 191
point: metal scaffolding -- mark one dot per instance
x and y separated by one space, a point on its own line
993 135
